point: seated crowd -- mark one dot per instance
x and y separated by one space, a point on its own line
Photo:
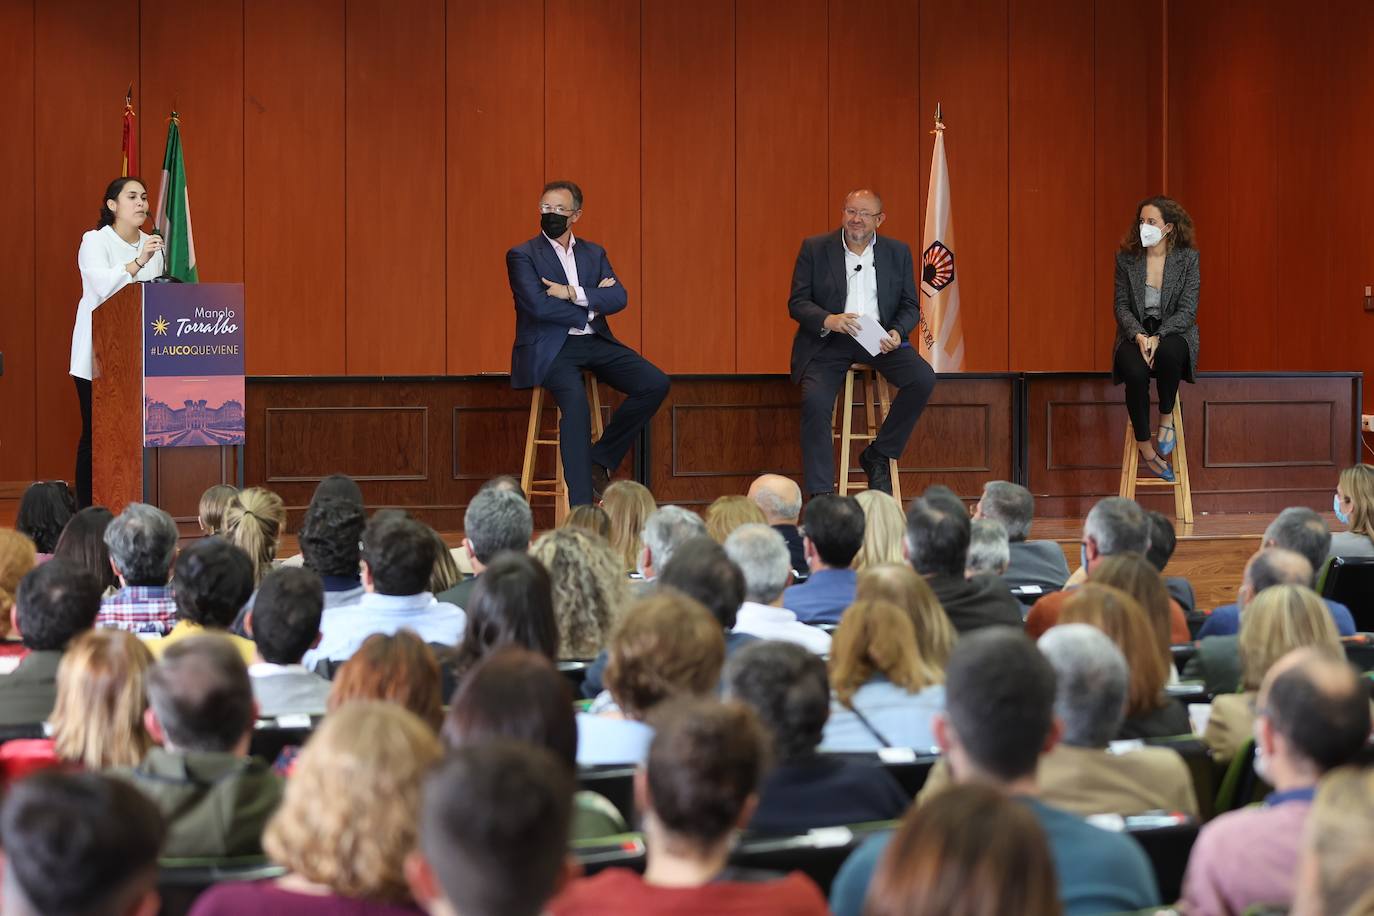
443 728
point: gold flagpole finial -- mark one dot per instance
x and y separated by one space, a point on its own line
129 95
939 119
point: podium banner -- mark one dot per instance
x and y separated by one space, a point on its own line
192 364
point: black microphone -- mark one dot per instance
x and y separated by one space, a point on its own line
858 267
164 277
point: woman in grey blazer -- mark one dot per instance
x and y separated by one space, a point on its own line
1157 285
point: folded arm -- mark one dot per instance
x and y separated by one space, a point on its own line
532 298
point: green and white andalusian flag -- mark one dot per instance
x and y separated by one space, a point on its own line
173 219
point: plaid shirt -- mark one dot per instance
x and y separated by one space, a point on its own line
143 609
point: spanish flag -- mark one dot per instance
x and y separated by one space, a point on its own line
942 333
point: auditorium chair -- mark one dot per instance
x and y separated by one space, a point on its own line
874 409
1203 768
818 853
1359 650
21 732
910 767
181 881
1241 785
1350 580
536 436
1183 653
1168 840
270 737
614 781
1182 487
575 670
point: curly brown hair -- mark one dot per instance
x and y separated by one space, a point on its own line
589 588
1182 237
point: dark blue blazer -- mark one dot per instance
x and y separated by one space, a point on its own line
542 321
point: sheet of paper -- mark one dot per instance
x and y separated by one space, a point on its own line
870 334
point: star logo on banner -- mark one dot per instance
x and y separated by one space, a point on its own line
160 326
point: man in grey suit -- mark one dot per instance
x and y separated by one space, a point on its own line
1039 563
285 623
497 519
839 278
55 602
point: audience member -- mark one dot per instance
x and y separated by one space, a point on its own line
1082 774
253 521
347 821
44 510
884 528
493 832
142 541
728 512
1039 563
970 850
832 535
1354 505
786 686
1304 532
285 623
761 555
83 542
1150 712
698 787
999 721
511 606
331 547
1163 541
590 591
398 556
700 569
396 668
1217 661
1278 620
55 602
339 487
1312 716
901 585
664 531
17 558
1336 870
216 798
666 646
495 520
781 501
629 505
79 843
989 551
590 518
944 498
446 574
1113 526
508 482
937 539
886 693
516 694
1137 577
211 581
213 503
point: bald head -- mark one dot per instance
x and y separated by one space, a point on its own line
1316 701
1274 566
779 497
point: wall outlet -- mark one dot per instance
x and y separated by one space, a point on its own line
1367 423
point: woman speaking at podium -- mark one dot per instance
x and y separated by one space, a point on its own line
1157 286
112 255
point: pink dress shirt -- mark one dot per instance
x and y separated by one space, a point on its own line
569 262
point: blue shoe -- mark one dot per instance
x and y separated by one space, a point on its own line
1163 471
1165 449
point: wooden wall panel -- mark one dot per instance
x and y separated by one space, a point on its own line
1050 184
964 67
293 176
592 106
80 75
17 239
495 165
191 59
394 179
687 147
781 168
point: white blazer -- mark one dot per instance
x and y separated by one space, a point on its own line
101 260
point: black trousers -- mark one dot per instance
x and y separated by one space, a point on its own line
1171 361
822 380
83 447
643 383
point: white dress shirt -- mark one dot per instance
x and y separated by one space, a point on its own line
569 262
862 280
768 622
101 260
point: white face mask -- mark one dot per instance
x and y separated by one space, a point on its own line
1150 235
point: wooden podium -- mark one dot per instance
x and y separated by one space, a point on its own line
123 470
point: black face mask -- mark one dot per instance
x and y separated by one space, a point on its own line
553 224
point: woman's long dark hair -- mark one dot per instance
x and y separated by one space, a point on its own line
83 542
1173 212
511 604
44 511
112 192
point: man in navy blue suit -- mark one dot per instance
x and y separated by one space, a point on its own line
564 288
839 277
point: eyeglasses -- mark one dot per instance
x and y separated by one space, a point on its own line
864 215
560 210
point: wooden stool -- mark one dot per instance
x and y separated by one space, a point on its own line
1130 464
875 407
535 436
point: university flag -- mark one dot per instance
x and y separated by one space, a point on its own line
942 333
129 162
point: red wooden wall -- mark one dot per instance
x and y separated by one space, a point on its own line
362 167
